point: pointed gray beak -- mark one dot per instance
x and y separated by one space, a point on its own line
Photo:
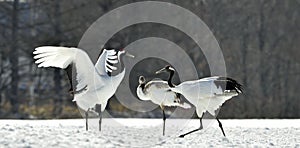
129 55
160 71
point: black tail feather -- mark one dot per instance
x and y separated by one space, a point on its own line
229 84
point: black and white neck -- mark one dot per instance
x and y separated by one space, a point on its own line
171 72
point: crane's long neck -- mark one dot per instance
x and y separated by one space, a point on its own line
143 86
121 65
141 92
170 79
121 59
118 75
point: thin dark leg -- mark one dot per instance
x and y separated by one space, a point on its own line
100 119
220 125
86 120
98 110
164 119
200 128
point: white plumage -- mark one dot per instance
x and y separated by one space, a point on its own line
158 91
206 94
93 82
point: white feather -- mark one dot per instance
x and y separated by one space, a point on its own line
204 94
158 92
102 65
99 86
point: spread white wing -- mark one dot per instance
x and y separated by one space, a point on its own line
61 57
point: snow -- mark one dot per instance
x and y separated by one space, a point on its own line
148 133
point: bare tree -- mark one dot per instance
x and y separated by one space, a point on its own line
14 58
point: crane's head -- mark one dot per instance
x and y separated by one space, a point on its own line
167 68
142 80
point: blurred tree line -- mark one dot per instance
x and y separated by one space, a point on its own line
260 40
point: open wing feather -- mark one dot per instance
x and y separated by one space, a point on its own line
61 57
105 61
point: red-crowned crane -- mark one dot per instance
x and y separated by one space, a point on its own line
94 85
206 94
158 91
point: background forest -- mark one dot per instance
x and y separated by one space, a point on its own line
260 40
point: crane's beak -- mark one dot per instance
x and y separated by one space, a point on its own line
160 71
129 55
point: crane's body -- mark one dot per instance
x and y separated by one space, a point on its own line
94 86
206 94
158 91
98 94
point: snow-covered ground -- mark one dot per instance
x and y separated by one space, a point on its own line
148 133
